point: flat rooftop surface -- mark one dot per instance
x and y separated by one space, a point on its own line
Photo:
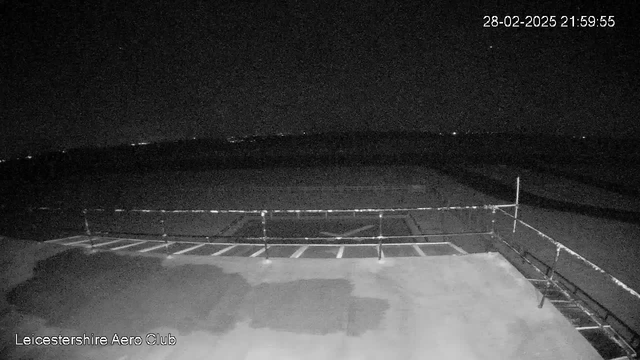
442 307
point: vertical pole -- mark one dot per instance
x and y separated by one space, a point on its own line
164 233
550 278
493 220
380 236
485 225
87 230
264 233
517 203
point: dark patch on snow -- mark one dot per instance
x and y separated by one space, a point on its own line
105 293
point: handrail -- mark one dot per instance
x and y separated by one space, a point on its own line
289 211
631 337
575 289
575 254
292 238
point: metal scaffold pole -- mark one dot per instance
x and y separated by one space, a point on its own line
552 271
493 220
515 220
380 237
264 234
164 234
86 227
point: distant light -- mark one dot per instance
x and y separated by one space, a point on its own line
454 133
584 137
133 144
193 138
143 143
2 160
29 157
64 151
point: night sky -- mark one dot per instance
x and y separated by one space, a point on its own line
110 72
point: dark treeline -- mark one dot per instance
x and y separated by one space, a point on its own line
362 148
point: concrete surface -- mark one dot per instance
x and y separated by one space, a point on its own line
446 307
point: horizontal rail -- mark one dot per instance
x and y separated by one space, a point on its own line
571 289
261 243
575 254
567 286
385 237
321 188
268 238
519 254
289 211
574 289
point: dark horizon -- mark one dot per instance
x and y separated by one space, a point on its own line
105 74
362 135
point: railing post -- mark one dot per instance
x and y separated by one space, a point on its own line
493 220
380 236
550 278
515 220
264 233
164 233
86 227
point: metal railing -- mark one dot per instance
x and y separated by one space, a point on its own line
271 240
549 254
561 267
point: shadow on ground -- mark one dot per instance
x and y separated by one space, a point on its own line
105 293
